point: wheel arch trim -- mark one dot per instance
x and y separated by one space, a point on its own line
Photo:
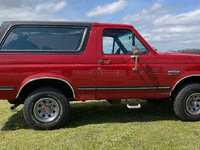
193 75
44 78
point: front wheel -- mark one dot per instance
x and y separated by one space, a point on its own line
187 103
46 108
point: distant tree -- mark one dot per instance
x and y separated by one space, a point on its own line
189 50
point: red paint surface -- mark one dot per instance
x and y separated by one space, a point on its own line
84 70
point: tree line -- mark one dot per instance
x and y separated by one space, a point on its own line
189 50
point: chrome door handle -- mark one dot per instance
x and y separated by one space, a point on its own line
104 61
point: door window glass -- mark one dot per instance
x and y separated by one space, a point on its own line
121 42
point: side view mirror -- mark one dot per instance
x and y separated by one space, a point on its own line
135 51
154 49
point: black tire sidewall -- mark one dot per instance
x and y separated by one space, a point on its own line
46 93
180 102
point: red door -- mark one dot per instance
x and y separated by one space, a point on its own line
117 76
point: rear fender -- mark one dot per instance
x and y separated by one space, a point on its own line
45 76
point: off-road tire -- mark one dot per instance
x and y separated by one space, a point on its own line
46 108
187 102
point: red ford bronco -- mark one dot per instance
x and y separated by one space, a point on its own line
44 65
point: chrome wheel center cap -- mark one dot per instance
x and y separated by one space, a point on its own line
46 109
193 103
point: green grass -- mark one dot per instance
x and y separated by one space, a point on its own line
99 125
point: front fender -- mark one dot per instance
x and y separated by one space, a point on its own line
183 77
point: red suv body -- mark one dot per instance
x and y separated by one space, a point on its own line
46 64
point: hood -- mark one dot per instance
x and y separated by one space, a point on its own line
178 54
178 58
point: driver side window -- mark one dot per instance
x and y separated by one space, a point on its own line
110 46
121 41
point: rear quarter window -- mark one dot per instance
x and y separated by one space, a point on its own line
44 39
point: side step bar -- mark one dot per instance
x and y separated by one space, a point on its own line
133 107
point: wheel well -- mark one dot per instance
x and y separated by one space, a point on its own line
59 84
188 80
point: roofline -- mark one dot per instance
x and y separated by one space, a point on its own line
111 25
64 23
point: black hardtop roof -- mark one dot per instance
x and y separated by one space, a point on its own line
61 23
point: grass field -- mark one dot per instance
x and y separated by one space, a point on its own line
99 125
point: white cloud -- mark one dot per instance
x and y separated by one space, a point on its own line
51 8
164 30
29 14
79 19
143 17
13 3
178 28
19 3
108 9
185 18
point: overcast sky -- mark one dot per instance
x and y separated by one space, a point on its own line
165 24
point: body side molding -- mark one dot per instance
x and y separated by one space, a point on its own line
92 88
7 88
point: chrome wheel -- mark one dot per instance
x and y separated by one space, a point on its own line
193 104
46 110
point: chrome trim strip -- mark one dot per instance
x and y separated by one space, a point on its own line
164 87
181 80
92 88
7 88
127 88
44 78
118 88
87 88
83 38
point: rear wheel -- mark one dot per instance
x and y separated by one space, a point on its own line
187 102
46 108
